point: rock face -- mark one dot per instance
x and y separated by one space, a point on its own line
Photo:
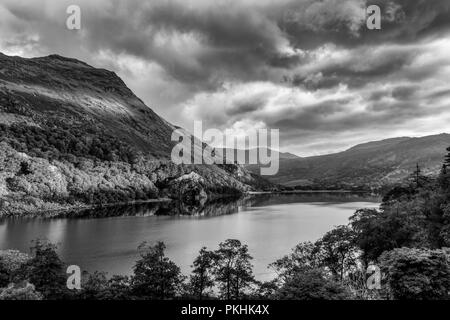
189 188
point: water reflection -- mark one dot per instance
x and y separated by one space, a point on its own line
269 224
217 207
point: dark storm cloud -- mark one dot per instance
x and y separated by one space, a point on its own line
310 24
230 41
406 20
378 114
400 93
362 66
244 41
310 117
439 94
405 92
247 105
409 64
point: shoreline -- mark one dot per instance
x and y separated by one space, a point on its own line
305 191
77 208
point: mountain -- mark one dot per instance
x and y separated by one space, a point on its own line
371 164
73 92
74 135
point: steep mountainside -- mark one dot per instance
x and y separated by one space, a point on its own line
73 135
371 164
75 93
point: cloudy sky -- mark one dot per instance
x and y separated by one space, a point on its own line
309 68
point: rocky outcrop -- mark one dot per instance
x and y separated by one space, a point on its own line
189 188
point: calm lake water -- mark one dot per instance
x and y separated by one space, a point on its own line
269 224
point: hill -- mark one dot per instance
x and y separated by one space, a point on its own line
74 135
371 164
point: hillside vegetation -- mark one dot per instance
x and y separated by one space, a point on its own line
73 136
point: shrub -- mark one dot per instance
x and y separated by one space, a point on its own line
312 285
24 291
418 274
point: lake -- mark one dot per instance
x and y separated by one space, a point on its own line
107 239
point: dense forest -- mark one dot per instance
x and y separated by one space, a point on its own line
57 166
406 240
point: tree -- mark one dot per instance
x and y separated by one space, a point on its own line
417 174
444 174
45 271
265 290
417 179
378 231
155 276
98 287
312 285
95 287
233 270
305 256
445 230
397 193
201 279
338 251
10 262
447 158
4 275
119 288
22 291
418 274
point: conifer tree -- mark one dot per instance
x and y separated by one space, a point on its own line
201 279
447 158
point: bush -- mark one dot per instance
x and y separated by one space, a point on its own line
45 271
155 276
312 285
98 287
417 274
24 291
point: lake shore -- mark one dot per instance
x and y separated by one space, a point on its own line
59 210
110 244
75 208
305 191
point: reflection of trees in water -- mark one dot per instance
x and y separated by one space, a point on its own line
171 208
207 209
311 197
217 207
147 209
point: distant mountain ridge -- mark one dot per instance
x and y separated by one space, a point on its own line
369 164
257 151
